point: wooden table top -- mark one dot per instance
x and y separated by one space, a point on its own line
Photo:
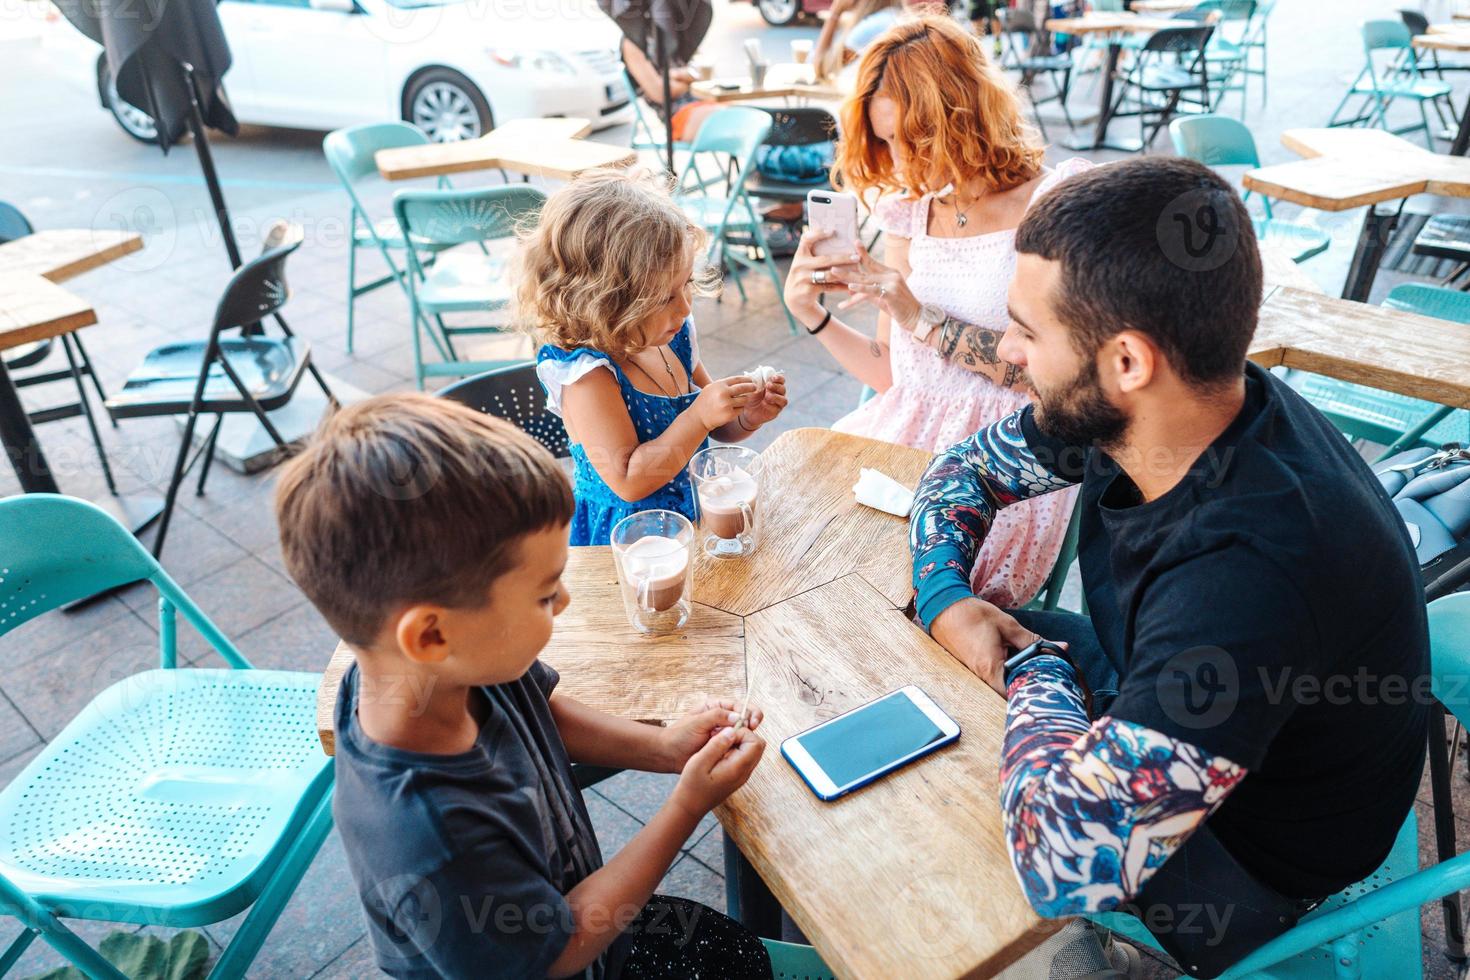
910 876
1351 168
1281 270
1419 356
813 531
537 147
1111 23
782 81
59 254
1444 37
33 308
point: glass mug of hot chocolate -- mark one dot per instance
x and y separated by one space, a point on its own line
727 483
654 551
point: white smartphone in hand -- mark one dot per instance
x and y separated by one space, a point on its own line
855 748
837 212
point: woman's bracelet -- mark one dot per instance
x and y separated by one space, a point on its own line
740 419
949 337
813 331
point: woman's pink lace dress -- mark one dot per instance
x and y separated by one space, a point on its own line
933 404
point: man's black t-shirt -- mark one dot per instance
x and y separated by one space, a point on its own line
1267 609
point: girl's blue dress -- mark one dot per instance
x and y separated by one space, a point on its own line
598 508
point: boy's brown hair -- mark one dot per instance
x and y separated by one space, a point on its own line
409 498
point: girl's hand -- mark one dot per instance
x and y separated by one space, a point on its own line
718 769
766 404
692 732
801 294
884 287
719 402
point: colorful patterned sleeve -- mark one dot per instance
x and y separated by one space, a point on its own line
1092 810
956 502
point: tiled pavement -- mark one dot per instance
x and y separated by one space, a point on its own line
222 546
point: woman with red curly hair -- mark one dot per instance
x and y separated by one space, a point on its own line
937 128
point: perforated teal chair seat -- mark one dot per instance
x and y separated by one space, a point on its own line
170 798
176 797
384 230
462 282
1423 88
1299 241
792 961
1381 947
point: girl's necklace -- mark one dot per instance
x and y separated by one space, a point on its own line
673 378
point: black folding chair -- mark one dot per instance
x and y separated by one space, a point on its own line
1031 62
1170 65
13 225
223 375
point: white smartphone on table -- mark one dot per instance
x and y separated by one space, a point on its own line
855 748
837 212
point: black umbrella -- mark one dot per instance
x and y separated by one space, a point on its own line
667 31
168 57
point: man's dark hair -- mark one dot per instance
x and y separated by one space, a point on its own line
1161 245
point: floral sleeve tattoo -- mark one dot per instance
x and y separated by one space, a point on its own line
1091 811
966 484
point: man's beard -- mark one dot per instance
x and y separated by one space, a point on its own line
1079 414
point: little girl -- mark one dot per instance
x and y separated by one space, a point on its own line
607 278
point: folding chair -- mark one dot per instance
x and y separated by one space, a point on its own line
722 205
177 797
645 134
464 281
1031 62
1219 141
1170 64
1381 83
245 372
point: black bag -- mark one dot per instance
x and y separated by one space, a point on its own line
1431 490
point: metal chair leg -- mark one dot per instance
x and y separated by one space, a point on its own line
208 453
166 518
351 285
85 403
90 371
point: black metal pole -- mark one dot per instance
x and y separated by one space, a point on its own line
1444 829
661 51
206 164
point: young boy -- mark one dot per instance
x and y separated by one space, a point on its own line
432 538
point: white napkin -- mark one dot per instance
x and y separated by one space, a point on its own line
762 375
882 492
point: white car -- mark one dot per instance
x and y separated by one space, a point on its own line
454 68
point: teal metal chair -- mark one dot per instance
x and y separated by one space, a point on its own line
1226 53
1370 929
1383 82
792 961
350 153
1219 141
177 797
647 133
1256 41
1396 421
729 139
464 281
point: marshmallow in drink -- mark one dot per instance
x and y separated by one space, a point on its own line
724 502
654 568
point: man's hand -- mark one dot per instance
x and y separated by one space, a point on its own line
981 636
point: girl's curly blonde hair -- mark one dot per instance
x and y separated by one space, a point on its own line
597 263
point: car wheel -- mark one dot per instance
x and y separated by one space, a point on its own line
447 106
134 121
779 13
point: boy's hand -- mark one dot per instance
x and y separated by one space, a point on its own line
766 404
717 770
720 401
692 732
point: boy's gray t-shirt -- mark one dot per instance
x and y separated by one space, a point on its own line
462 861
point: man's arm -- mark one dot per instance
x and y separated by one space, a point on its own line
1092 810
956 502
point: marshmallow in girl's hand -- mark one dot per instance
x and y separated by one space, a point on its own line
762 375
882 492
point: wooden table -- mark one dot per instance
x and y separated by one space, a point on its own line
1352 168
783 81
813 622
533 147
1114 25
34 308
1419 356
